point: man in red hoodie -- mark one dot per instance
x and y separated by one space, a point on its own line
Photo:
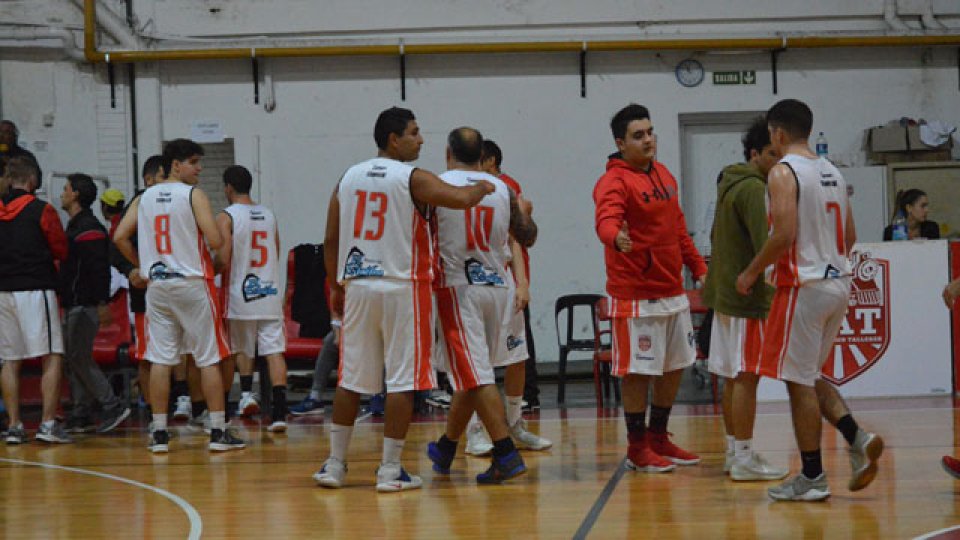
646 244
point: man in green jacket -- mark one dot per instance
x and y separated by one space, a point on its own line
739 231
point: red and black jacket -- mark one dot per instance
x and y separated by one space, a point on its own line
32 239
85 274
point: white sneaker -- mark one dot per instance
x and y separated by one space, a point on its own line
201 422
526 439
478 442
391 477
184 409
728 460
332 473
277 426
249 404
756 468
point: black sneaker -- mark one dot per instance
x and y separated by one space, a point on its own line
531 404
159 441
222 440
503 468
79 424
113 418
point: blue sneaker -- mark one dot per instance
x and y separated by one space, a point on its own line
307 407
503 468
376 404
441 460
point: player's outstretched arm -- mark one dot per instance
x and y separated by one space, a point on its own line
125 230
782 185
428 188
204 216
225 227
522 227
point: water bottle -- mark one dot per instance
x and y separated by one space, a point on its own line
899 227
821 146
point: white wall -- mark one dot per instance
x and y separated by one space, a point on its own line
555 142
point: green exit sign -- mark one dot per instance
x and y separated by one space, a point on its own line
734 77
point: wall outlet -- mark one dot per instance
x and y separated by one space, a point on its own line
48 120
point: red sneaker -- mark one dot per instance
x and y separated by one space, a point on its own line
641 458
951 465
660 443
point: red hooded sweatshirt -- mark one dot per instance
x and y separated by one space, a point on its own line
647 201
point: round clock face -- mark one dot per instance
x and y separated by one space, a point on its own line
689 72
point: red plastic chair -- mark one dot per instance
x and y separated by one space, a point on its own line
603 354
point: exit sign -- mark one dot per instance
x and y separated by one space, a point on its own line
734 77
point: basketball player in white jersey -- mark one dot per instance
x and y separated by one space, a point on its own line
475 302
174 225
812 232
378 256
251 273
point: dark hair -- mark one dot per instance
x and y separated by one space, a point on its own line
908 197
179 150
152 165
16 130
620 121
756 138
491 150
85 188
393 120
466 144
238 177
20 169
792 116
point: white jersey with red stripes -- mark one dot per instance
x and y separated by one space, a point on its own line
819 251
474 243
253 283
382 234
169 242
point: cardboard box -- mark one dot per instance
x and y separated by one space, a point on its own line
900 139
908 157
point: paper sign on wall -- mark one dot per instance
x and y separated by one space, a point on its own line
206 131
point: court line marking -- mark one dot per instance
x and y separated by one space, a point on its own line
196 523
591 518
934 534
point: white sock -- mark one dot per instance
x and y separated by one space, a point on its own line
217 419
339 441
245 394
474 422
392 448
514 409
48 424
743 450
315 395
730 440
159 422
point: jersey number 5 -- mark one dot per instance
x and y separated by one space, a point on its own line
479 222
375 198
161 234
834 208
258 248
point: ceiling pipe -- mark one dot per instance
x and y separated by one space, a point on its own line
891 18
760 43
30 35
928 19
114 25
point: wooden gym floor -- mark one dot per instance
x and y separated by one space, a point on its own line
112 487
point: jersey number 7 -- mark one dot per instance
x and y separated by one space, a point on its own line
833 207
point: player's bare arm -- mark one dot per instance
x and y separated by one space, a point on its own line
331 248
522 227
951 292
782 186
222 258
204 217
428 188
125 230
850 230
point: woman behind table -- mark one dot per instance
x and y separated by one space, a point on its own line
914 205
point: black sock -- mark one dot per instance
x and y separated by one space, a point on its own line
446 445
849 428
812 464
226 406
179 388
636 425
198 407
279 402
246 383
503 447
658 419
149 410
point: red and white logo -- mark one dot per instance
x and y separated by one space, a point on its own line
644 343
865 333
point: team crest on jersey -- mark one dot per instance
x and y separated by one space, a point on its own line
478 275
513 342
254 288
159 271
865 334
357 266
644 343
